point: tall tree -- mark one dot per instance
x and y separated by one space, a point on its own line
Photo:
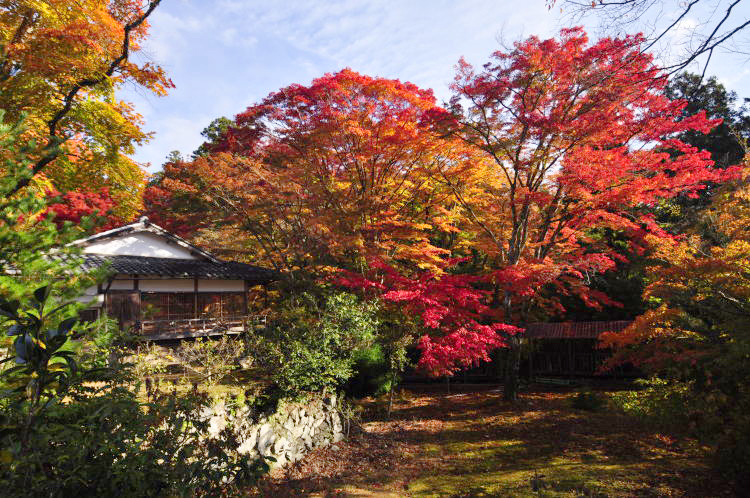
61 64
728 140
213 133
578 135
328 175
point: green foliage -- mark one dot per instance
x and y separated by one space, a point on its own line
660 403
104 442
589 401
102 343
62 437
44 370
211 359
371 377
312 343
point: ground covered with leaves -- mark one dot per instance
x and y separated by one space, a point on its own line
472 444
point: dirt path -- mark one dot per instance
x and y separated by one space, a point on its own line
475 445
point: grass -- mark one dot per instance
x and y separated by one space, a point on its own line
158 364
236 383
476 445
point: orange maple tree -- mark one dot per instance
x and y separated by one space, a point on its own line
61 63
324 177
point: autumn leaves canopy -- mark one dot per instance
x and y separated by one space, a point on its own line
61 63
475 216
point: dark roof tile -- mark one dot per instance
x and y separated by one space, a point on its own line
181 268
574 330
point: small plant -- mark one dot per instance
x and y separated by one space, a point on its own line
211 359
147 362
44 369
589 401
312 345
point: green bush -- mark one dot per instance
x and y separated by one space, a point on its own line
102 343
104 442
60 436
372 373
659 402
589 401
311 347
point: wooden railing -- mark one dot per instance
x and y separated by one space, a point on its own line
567 363
199 327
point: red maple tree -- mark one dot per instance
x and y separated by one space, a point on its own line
542 151
75 205
580 138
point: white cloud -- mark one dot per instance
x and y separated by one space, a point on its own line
225 54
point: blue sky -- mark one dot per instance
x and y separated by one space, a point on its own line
224 55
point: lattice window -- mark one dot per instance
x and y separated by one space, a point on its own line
167 305
221 305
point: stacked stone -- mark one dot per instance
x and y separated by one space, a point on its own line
287 434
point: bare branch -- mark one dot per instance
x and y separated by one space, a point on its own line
618 16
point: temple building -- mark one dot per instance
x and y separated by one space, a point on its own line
163 287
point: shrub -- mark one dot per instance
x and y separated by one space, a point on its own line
105 442
310 346
589 401
102 343
659 402
62 437
211 359
371 377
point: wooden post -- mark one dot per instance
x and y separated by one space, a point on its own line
195 298
136 303
570 356
531 359
246 321
247 289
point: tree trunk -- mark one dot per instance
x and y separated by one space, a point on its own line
510 390
513 358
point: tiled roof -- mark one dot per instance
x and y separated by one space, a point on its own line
143 225
574 330
181 268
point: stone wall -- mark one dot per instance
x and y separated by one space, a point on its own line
287 434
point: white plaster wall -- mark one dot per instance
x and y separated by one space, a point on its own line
167 285
96 301
91 297
221 285
120 285
139 244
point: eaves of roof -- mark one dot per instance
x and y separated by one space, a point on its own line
574 330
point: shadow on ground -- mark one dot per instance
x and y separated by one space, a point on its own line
475 445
